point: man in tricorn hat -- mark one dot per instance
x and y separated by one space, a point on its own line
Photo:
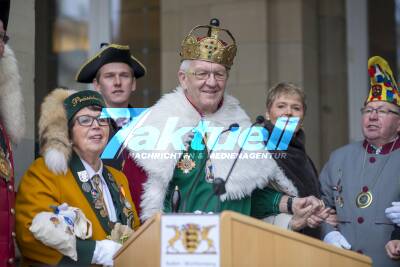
113 71
199 102
12 126
361 179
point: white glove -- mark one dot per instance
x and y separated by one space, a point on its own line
393 213
337 239
104 252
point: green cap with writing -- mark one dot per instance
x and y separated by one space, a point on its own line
80 100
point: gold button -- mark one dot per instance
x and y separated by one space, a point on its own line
12 211
13 234
11 260
10 188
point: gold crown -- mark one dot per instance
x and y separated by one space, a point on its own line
211 47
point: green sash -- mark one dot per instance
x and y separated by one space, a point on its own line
119 201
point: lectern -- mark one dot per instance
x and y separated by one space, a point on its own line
241 241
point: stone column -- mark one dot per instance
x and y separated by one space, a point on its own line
293 56
333 76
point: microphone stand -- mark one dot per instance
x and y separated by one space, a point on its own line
219 184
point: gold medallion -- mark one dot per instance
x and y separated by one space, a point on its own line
5 166
98 203
364 199
125 210
103 213
186 164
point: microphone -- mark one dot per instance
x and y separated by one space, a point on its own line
219 184
259 120
233 127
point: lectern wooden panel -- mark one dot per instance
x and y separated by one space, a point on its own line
249 242
244 241
143 247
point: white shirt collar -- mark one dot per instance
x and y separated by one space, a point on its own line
91 172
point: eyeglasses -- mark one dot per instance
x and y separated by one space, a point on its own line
87 121
4 37
380 111
205 75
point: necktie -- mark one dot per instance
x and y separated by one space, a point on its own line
99 202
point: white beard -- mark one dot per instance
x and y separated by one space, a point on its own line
247 175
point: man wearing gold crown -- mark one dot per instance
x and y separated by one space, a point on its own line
361 179
12 125
200 99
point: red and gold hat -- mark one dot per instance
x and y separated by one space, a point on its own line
383 86
210 46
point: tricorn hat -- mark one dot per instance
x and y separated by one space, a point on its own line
4 12
383 86
109 54
212 46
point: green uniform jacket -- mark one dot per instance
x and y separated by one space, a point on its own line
40 188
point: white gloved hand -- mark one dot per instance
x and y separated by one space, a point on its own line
104 252
393 213
337 239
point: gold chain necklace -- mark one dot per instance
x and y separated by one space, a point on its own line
365 197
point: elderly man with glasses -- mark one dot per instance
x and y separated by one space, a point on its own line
186 171
12 126
361 179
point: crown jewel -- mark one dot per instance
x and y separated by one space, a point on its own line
210 47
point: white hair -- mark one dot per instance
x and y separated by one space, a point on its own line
185 65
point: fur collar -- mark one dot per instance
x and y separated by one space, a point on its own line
55 146
247 175
12 111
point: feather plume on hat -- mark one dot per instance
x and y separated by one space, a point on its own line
55 146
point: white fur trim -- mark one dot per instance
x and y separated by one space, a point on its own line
247 175
56 161
12 109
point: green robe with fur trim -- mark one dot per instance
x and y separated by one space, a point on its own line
248 174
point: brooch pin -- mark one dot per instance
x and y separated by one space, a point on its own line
186 164
83 176
5 166
86 187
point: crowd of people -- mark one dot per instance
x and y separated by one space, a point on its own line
69 183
